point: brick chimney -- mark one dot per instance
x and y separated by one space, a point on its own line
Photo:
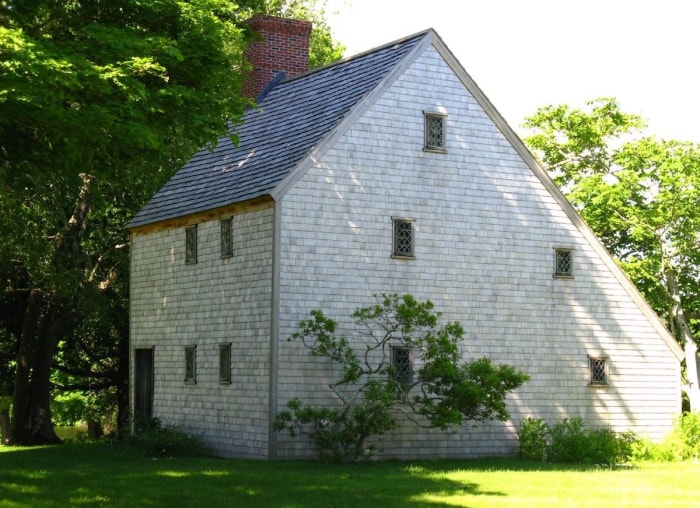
284 47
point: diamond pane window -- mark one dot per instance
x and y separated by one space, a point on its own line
403 237
598 371
191 245
190 364
563 263
226 240
434 132
401 365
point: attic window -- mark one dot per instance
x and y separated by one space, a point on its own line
435 132
597 371
403 238
563 262
191 245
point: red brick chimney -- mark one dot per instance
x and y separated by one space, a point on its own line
284 47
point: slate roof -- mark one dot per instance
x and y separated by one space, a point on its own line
290 121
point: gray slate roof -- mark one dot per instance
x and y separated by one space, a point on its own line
290 121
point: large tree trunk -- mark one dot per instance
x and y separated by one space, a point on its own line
31 415
43 326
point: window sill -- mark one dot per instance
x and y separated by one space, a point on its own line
399 256
434 149
562 276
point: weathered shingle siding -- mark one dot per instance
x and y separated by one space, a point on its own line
485 232
214 301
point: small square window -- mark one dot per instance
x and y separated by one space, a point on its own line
563 263
191 245
191 364
435 132
401 365
597 371
404 233
225 363
226 238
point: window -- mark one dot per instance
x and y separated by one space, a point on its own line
191 364
224 363
403 238
401 364
191 245
226 239
435 132
563 263
597 371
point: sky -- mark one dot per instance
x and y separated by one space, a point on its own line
525 54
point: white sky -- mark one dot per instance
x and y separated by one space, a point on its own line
529 53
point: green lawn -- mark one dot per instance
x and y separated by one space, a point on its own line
93 475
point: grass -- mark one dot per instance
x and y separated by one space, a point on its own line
88 475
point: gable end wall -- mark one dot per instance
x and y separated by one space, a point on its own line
486 228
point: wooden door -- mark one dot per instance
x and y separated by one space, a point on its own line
143 382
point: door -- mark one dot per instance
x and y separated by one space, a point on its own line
143 382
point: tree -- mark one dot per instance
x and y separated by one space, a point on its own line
376 379
641 196
100 102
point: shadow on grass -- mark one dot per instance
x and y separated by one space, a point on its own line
93 475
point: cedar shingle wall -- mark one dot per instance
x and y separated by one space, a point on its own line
485 233
215 301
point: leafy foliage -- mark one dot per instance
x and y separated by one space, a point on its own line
683 443
150 438
99 103
441 394
641 197
568 441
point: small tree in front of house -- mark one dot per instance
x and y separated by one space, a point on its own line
399 361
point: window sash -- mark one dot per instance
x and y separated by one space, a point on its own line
563 262
191 364
402 364
191 245
404 238
226 238
434 132
598 371
225 363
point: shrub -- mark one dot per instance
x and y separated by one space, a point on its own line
570 442
376 379
149 437
682 443
532 437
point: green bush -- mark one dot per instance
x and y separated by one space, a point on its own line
149 437
570 442
533 437
682 443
